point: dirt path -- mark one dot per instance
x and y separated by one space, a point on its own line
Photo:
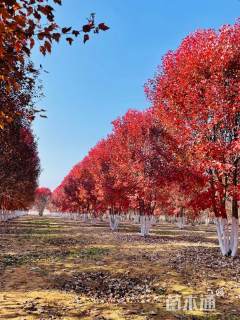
60 269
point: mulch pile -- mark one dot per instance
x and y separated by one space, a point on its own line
103 286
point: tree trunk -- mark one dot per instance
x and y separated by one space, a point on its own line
207 220
180 219
223 235
235 221
85 217
114 221
137 218
235 227
228 241
146 223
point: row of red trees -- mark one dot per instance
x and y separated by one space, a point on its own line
25 24
135 169
181 154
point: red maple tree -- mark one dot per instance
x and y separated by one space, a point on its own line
42 196
196 98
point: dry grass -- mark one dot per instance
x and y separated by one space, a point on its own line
42 257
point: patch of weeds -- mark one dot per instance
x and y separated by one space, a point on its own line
9 260
91 252
41 223
160 290
17 260
56 241
14 260
24 237
43 231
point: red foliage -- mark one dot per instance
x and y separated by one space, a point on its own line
42 196
25 24
130 170
19 162
196 98
184 151
19 167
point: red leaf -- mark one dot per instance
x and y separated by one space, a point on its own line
48 46
66 30
103 27
85 38
86 28
75 33
56 36
69 40
32 42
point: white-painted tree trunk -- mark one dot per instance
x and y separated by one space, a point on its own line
137 218
145 223
163 218
114 220
9 215
85 217
228 241
181 222
234 237
207 220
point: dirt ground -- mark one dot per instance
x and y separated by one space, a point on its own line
51 268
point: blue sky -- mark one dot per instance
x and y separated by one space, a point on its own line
90 85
